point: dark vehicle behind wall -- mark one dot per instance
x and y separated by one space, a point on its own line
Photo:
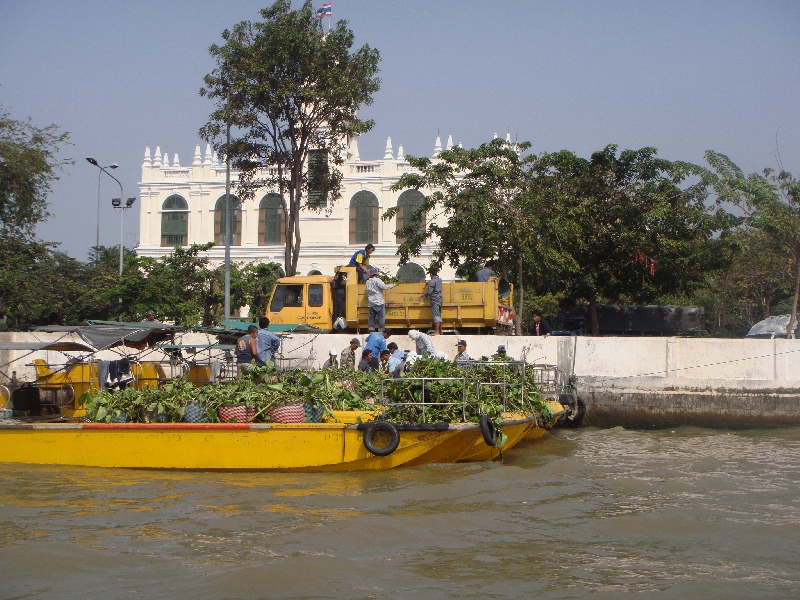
635 320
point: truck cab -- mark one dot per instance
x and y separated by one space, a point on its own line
302 300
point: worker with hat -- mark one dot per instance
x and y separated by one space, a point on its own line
348 358
501 355
331 362
462 356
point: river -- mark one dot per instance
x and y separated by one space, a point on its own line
586 513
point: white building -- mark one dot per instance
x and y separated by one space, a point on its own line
185 205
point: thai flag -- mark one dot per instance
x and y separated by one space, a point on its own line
324 10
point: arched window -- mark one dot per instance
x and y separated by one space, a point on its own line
407 204
236 221
411 273
271 221
174 221
364 218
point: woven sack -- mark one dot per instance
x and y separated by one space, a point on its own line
313 412
195 413
288 413
240 412
120 418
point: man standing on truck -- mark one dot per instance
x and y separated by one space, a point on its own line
486 273
267 343
348 358
435 294
377 303
360 260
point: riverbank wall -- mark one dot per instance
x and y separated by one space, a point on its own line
637 382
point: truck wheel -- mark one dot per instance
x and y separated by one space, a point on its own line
381 438
489 431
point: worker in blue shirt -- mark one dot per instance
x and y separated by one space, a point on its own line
267 343
360 260
376 341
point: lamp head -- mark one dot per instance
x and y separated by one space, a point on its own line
92 161
129 202
116 202
114 166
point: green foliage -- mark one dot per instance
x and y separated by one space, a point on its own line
263 388
763 275
28 167
287 88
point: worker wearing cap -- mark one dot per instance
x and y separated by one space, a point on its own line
331 362
462 356
501 355
348 358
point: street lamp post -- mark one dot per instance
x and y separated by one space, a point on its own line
99 175
117 203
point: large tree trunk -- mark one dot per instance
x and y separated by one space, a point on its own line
792 320
593 313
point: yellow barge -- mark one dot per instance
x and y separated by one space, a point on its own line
227 446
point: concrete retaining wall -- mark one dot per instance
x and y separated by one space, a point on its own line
624 380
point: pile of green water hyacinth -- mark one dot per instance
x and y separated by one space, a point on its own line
448 393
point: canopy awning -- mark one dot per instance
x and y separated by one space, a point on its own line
59 346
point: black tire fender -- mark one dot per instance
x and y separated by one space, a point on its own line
577 410
489 431
381 426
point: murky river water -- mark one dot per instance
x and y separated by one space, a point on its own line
579 514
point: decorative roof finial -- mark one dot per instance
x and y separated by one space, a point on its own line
388 155
400 154
437 148
176 162
207 159
449 142
198 160
147 161
157 158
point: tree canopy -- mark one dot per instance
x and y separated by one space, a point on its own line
620 225
290 94
28 166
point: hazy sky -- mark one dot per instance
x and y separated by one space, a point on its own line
684 77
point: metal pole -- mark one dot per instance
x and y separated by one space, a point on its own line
99 175
121 220
228 227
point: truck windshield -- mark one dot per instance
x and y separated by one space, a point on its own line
286 295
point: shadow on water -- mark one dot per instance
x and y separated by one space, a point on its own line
586 513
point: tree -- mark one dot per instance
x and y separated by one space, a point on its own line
491 207
28 167
771 203
638 234
290 93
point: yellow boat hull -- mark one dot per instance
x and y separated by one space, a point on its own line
514 427
255 446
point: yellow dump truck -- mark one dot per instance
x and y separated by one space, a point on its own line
339 303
